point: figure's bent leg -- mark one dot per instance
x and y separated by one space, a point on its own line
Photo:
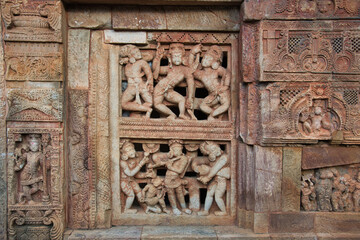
175 97
130 196
219 193
225 104
208 200
126 101
159 106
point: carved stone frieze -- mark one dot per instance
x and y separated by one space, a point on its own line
331 189
34 62
35 104
35 176
308 112
299 51
316 8
32 22
162 170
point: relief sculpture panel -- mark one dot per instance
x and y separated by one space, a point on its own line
308 112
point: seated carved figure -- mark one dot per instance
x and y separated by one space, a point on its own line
316 123
218 173
135 69
218 100
29 163
175 73
154 194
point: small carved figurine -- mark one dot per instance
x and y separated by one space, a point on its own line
356 195
218 100
129 168
339 188
175 73
308 195
29 163
154 194
135 69
316 123
220 171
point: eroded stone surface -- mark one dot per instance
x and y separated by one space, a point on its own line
93 17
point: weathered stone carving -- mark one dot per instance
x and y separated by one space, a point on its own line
331 189
32 22
34 177
297 50
218 100
35 104
175 73
135 69
34 62
311 111
317 8
173 175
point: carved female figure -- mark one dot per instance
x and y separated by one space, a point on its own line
175 73
218 100
218 173
135 69
29 164
129 168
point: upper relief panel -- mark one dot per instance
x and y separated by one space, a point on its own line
301 9
310 51
32 21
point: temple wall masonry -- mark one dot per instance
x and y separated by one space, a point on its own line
200 113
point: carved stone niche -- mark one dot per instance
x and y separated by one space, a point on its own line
308 112
32 21
298 51
34 183
331 189
35 104
176 182
179 78
33 62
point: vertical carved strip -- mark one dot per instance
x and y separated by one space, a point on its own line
78 159
3 197
99 60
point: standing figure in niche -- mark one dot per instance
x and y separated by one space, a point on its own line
356 195
154 194
348 193
219 172
135 69
175 73
218 100
323 188
176 165
339 188
130 168
29 163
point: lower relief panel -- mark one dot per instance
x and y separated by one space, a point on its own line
176 182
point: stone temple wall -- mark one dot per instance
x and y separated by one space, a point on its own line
220 113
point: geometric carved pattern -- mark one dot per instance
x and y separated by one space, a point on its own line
351 97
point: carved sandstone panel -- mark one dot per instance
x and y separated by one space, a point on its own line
331 189
34 62
299 51
301 9
32 22
79 183
308 112
3 185
156 178
35 104
35 176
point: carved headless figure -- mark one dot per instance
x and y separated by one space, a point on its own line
135 69
175 74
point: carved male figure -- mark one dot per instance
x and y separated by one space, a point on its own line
135 69
316 122
176 165
130 167
29 163
218 100
154 194
175 73
218 173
